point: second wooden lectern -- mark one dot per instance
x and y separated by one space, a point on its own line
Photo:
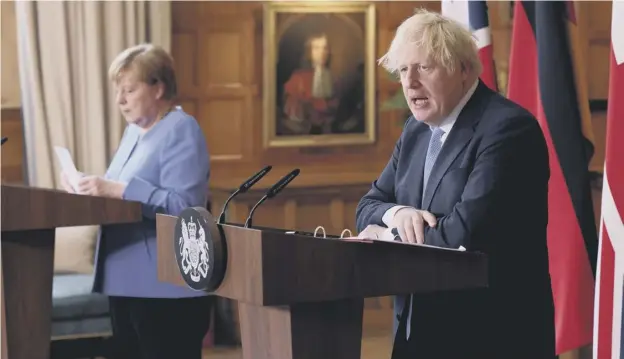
301 296
29 218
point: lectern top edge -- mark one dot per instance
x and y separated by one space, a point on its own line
34 208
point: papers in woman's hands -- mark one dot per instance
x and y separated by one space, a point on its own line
67 166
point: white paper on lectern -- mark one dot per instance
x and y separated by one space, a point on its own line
67 165
387 236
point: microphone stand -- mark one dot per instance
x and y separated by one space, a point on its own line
272 192
253 209
221 219
242 189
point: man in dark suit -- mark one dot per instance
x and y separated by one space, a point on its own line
470 169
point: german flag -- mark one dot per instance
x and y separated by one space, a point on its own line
546 78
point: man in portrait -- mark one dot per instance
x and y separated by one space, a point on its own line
310 94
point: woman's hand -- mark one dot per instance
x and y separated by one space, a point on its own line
98 186
65 183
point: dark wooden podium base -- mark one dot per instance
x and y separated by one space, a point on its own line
319 330
27 267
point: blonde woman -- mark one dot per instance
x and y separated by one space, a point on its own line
162 162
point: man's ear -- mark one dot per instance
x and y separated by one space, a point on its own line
464 71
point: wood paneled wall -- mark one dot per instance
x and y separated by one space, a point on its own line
13 149
595 19
304 209
11 127
10 97
218 52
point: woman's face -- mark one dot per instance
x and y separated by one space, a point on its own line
137 100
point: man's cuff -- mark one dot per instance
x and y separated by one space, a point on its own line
389 215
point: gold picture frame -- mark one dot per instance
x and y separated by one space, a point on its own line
319 74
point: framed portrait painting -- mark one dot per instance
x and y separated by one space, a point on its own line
319 74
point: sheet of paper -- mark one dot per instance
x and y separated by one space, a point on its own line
67 165
460 249
387 236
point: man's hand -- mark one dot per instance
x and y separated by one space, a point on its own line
410 223
98 186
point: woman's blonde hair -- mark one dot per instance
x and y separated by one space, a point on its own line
151 63
444 40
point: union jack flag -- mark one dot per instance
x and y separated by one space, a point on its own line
474 15
608 313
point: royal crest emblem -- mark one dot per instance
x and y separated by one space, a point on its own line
199 247
194 250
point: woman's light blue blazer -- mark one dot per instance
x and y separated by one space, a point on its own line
167 170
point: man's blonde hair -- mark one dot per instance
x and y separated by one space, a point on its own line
151 63
445 41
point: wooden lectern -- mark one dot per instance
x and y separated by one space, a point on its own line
29 218
303 297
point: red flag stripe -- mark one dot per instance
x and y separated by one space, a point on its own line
488 76
608 314
614 152
474 15
609 286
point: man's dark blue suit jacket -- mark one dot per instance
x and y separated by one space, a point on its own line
489 191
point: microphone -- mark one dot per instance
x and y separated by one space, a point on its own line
243 188
272 192
4 139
